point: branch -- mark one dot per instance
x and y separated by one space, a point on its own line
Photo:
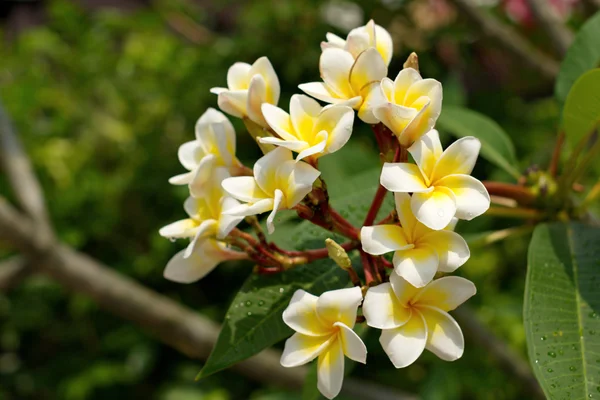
12 272
560 36
508 38
508 359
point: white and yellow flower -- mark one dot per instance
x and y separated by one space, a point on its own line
323 328
309 129
411 105
278 183
248 87
440 181
348 81
207 214
214 147
361 38
415 319
419 252
188 268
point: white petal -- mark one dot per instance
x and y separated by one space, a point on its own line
373 97
335 65
206 229
352 345
238 76
303 112
293 145
381 239
263 67
227 222
181 179
382 310
202 175
189 154
404 80
265 169
245 210
405 215
243 188
279 121
301 315
190 205
434 209
472 198
300 182
315 150
458 158
426 151
405 292
234 102
300 349
339 306
209 117
446 293
318 90
257 95
426 87
335 40
384 44
395 117
405 344
337 121
330 370
418 266
451 248
444 337
218 90
276 204
223 143
402 177
184 228
358 41
369 67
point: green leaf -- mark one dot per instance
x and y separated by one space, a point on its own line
496 145
581 113
562 309
583 55
253 321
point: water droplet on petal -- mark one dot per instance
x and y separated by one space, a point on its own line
440 213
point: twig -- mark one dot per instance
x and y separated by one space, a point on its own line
510 361
521 194
560 36
522 213
553 167
509 39
12 272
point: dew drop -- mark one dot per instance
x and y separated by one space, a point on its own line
593 315
172 239
261 303
537 361
552 354
242 304
248 303
249 313
550 370
440 213
572 368
281 290
543 338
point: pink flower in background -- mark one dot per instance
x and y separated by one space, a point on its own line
519 11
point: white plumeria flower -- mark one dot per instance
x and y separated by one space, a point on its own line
411 105
361 38
207 214
354 83
323 328
278 183
214 147
419 252
440 181
415 319
204 258
309 129
248 87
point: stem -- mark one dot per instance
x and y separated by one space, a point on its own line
370 276
516 192
564 185
553 167
253 221
523 213
581 168
375 205
591 196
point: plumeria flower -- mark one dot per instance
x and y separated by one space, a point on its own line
278 183
323 328
419 252
309 129
204 258
361 38
354 83
207 214
411 105
248 87
415 319
214 147
440 181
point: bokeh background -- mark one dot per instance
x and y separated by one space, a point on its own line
103 93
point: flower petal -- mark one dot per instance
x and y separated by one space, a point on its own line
254 208
257 95
404 291
300 349
382 310
405 215
335 65
320 91
276 204
265 169
418 266
300 182
238 76
209 117
301 315
183 228
458 158
358 41
279 121
405 344
472 198
369 67
315 150
403 177
381 239
337 121
330 370
434 209
352 345
444 337
227 222
243 188
264 68
189 154
404 80
427 151
395 117
446 293
373 97
339 306
451 248
181 179
234 102
304 111
384 44
205 230
202 175
293 145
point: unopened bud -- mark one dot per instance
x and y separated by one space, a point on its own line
338 254
412 61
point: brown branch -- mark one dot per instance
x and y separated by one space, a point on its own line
508 38
553 167
560 36
511 362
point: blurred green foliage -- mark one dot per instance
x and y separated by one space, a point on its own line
103 99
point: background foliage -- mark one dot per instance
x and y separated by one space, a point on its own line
102 99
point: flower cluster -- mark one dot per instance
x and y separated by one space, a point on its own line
407 304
